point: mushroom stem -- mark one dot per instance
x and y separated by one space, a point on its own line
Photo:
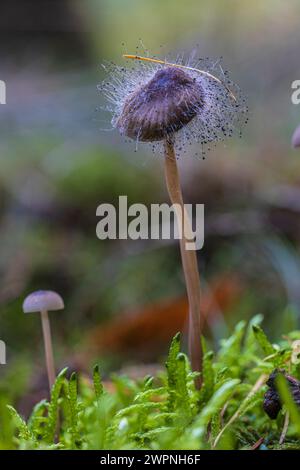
48 348
189 260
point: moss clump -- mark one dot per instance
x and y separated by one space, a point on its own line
167 412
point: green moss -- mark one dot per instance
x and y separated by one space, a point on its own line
167 412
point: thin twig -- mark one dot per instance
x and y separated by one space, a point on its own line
258 443
258 384
285 428
223 411
189 259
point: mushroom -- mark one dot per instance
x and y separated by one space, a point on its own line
43 301
296 137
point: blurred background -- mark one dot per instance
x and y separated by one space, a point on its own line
59 160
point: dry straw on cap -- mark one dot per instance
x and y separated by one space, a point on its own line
43 301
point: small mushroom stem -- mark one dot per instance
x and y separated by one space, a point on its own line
48 348
189 260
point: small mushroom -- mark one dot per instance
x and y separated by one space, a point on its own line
43 301
296 137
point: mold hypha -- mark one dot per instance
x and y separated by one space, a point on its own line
162 106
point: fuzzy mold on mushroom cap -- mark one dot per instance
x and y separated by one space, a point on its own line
191 102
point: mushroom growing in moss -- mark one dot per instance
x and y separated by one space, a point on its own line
174 103
44 301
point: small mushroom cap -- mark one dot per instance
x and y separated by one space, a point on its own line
296 137
43 300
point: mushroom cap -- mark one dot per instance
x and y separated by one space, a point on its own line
41 300
169 101
296 137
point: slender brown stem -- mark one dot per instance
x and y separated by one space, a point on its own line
285 428
48 348
189 260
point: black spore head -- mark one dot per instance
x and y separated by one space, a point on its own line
272 402
169 101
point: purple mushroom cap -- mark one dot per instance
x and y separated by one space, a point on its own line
296 137
42 300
